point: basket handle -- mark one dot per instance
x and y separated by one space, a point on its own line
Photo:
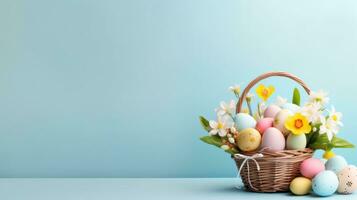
264 76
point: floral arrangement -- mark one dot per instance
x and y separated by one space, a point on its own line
278 126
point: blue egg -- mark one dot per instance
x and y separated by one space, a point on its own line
244 121
336 164
325 183
292 107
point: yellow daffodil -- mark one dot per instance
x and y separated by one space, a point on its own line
328 154
298 124
265 92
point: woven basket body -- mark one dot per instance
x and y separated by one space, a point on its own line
277 169
276 172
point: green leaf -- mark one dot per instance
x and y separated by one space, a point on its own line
213 140
341 143
296 97
217 141
232 151
322 142
205 124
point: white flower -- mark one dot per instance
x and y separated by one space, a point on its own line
225 147
280 101
221 126
319 96
226 108
313 111
329 126
335 116
235 89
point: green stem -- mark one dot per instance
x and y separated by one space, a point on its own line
250 108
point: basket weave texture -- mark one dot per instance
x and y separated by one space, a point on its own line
276 172
277 169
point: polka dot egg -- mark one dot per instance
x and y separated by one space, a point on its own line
248 139
325 183
348 180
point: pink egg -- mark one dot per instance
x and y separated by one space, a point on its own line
311 167
263 124
271 111
273 140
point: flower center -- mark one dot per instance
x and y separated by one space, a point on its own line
298 123
220 125
265 92
334 118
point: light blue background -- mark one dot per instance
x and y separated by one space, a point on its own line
114 88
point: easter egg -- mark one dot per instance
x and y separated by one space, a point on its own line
325 183
279 120
245 121
311 167
271 111
273 140
336 163
348 180
248 139
300 186
292 107
263 124
295 142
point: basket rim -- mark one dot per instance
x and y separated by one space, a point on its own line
278 155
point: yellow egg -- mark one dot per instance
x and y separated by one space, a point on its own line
300 186
249 139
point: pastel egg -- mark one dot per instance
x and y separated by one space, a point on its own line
348 180
325 183
300 186
295 142
271 111
248 139
279 120
245 121
263 124
273 140
311 167
336 163
292 107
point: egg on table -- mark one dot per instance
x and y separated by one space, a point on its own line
248 140
311 167
263 124
271 111
273 140
292 107
296 142
245 121
325 183
336 163
279 120
300 186
348 180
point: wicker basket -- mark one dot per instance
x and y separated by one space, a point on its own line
277 169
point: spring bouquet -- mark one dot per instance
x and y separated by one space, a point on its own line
279 137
